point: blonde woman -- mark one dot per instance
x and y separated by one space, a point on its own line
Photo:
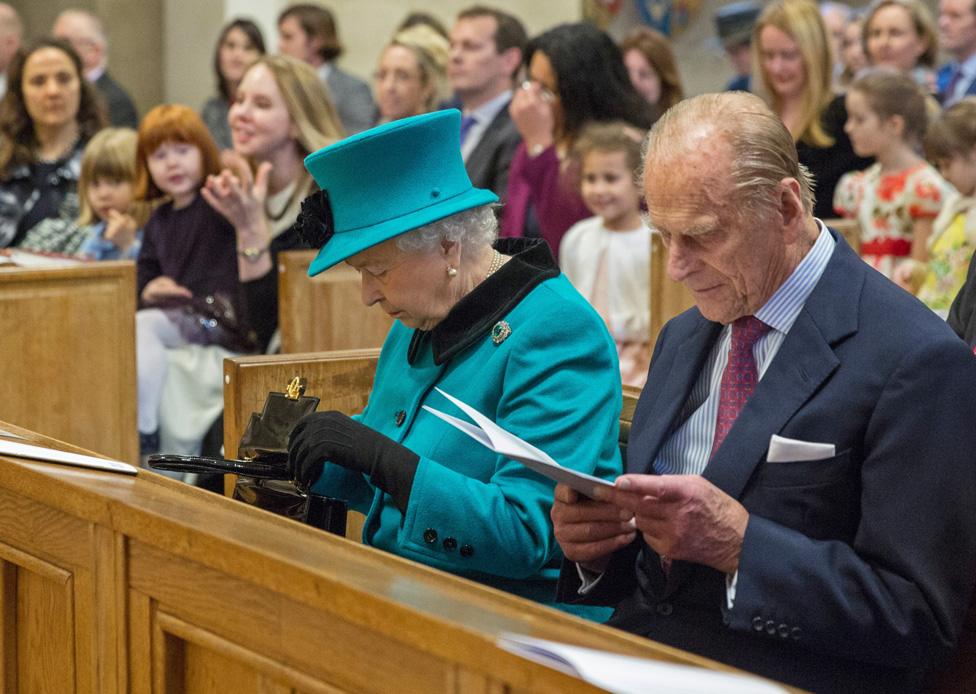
793 68
412 75
282 113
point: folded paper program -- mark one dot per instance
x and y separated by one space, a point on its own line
506 444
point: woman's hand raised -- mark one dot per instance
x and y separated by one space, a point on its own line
238 195
532 111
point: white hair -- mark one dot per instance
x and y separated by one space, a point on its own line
474 229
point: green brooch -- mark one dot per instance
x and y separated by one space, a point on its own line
500 332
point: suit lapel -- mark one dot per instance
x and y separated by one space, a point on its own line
660 406
477 161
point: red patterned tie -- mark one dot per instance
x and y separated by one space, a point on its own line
740 376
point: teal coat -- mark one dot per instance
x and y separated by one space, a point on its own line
554 381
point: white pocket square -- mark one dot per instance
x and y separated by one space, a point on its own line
784 450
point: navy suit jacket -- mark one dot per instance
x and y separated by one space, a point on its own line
942 78
855 571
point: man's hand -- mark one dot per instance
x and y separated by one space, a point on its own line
590 531
684 517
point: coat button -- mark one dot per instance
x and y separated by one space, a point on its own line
400 418
430 536
795 633
665 609
771 627
467 550
783 631
450 544
757 623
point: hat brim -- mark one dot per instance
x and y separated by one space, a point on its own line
347 244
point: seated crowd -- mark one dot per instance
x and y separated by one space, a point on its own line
798 562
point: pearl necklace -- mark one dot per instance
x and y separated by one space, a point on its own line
496 262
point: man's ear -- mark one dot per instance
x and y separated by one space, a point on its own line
512 58
791 209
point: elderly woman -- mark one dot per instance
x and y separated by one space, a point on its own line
48 114
497 327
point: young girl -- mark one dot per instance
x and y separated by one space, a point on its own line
110 221
187 272
608 257
950 144
896 199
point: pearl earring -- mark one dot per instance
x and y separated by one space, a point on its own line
451 271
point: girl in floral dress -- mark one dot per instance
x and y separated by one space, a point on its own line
950 144
896 199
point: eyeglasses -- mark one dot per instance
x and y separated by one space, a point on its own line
546 94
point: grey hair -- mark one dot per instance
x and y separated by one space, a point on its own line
473 228
763 151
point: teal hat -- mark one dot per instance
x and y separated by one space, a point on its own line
388 180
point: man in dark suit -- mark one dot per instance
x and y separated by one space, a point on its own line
85 33
802 461
957 36
308 32
486 52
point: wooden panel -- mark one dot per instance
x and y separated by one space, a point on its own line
668 298
850 229
342 380
45 631
324 312
67 354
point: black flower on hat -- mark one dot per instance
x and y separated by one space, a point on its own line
314 223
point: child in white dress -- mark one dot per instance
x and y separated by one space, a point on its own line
608 257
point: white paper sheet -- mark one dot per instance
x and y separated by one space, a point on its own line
628 675
493 437
49 455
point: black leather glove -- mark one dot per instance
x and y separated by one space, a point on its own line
333 437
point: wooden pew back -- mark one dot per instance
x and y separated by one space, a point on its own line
325 312
850 229
67 354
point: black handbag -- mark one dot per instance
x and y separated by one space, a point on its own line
263 477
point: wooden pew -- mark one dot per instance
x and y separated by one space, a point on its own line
67 354
850 229
325 312
112 583
668 298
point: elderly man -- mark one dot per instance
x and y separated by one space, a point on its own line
86 35
308 32
957 36
11 33
486 52
801 464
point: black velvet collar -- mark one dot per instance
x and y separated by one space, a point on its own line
473 317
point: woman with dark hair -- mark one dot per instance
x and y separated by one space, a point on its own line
46 118
652 67
239 45
576 76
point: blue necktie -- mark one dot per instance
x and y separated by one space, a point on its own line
950 89
466 123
